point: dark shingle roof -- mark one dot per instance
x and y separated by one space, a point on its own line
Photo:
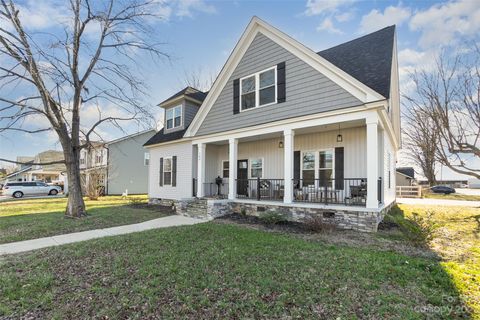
188 92
160 137
368 59
408 171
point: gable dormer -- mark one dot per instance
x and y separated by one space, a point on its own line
181 108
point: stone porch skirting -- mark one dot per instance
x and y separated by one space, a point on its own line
344 217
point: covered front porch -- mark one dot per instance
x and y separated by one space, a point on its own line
325 162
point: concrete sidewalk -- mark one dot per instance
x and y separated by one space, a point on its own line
28 245
439 202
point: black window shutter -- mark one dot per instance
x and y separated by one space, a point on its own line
339 168
161 172
281 95
236 96
296 169
174 171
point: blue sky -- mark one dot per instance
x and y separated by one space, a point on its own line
199 36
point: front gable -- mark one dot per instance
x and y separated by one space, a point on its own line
308 91
354 87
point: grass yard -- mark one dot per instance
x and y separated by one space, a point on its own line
452 196
217 270
453 233
35 218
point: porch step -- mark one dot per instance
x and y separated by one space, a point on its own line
197 208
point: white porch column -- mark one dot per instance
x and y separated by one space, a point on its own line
201 169
232 167
372 161
288 144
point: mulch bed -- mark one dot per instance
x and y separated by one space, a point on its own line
284 226
153 207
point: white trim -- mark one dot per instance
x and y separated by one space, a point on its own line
173 119
291 123
171 171
250 167
256 25
256 76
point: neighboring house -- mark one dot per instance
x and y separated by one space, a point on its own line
288 130
93 166
50 173
474 183
405 176
128 163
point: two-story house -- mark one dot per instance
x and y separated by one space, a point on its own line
93 166
286 129
31 168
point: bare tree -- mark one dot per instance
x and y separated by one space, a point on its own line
449 97
420 140
199 79
91 61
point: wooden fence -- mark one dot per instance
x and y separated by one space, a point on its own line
409 191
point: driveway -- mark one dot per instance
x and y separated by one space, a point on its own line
439 202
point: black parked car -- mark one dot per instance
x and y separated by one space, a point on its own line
442 189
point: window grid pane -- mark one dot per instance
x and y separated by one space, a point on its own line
267 78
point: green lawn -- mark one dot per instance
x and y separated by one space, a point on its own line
452 196
453 233
221 271
35 218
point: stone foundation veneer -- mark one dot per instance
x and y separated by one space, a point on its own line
349 218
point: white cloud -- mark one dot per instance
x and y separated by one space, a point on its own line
442 23
344 16
375 19
41 14
327 25
320 7
186 7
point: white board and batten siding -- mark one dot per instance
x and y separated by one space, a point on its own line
354 143
184 153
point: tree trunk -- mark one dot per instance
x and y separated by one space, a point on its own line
75 205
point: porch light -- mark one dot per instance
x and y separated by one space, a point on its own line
339 136
280 144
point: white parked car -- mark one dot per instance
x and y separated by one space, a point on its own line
20 189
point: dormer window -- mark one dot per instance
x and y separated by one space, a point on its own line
174 117
259 89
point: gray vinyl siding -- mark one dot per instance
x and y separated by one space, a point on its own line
190 111
126 169
307 91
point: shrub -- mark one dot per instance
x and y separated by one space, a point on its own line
417 229
317 224
273 217
136 201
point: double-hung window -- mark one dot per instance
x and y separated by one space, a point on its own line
308 168
225 169
174 117
258 89
256 167
167 171
146 158
325 167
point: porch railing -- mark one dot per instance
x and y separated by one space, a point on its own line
348 191
261 189
211 189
